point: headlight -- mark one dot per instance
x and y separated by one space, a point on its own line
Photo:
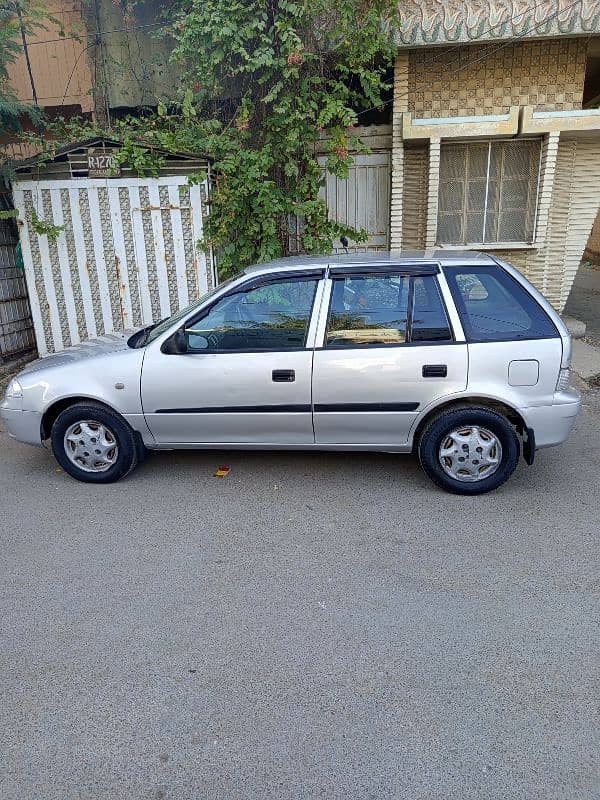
14 389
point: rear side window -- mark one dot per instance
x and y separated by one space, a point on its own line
368 310
495 307
429 320
380 310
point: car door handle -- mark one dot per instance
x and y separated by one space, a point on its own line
284 375
435 371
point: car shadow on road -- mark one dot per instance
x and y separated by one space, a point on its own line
310 470
251 470
282 464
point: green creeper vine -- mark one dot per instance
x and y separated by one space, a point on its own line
262 82
43 228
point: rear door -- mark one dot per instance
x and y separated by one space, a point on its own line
387 351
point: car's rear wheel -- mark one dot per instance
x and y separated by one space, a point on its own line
94 444
469 450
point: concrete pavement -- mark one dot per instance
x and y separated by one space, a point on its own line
313 625
586 359
584 302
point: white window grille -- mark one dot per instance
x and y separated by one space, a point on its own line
488 191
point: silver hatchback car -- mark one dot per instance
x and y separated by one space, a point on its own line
452 355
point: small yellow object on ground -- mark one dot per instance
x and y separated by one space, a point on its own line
222 472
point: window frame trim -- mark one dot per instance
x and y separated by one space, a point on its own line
497 244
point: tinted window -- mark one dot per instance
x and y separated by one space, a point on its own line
429 320
495 307
373 310
153 332
368 310
274 316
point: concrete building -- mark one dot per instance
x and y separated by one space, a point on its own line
58 54
90 58
495 140
592 249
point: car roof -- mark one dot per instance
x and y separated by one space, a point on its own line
441 257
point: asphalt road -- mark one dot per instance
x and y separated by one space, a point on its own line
311 626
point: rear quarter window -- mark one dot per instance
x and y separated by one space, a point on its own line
493 306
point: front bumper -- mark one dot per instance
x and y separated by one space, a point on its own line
24 426
553 424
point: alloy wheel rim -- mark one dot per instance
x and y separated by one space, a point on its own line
470 453
91 446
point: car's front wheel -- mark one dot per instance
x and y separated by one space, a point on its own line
469 450
93 444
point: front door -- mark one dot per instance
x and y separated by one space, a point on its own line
387 353
246 378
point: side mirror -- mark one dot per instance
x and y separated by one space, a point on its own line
196 341
176 344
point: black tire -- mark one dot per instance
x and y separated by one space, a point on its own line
128 447
439 427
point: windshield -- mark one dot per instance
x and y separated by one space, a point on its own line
152 332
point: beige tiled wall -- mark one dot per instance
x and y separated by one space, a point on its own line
575 199
484 79
414 197
489 79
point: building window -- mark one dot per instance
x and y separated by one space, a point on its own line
488 191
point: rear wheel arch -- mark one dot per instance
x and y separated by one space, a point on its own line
506 410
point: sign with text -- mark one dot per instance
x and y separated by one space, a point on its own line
102 163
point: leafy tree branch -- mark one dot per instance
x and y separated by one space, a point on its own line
263 84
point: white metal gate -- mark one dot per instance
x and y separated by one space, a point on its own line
362 200
126 255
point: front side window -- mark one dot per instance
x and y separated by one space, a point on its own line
274 316
385 310
488 191
151 332
495 307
